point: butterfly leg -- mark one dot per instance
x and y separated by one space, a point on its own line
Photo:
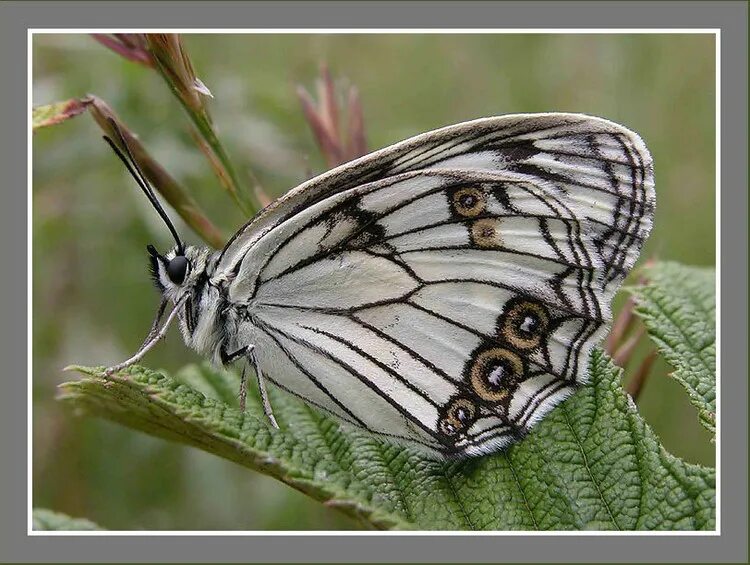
243 388
262 388
249 353
228 358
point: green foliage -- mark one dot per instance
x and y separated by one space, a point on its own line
678 307
591 464
47 520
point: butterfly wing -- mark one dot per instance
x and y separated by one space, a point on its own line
447 291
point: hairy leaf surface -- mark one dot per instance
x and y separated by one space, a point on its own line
592 463
678 307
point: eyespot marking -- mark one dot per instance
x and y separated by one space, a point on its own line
469 202
458 416
485 233
495 373
524 324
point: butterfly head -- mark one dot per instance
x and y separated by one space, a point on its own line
175 272
169 271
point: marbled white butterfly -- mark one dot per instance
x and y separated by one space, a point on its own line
444 292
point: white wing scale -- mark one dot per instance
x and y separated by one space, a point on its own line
446 291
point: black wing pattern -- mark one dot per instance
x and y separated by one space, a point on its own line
446 291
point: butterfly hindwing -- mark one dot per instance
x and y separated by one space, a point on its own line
447 291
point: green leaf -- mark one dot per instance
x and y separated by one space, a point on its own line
46 520
592 463
678 307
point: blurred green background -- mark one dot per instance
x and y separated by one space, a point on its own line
93 301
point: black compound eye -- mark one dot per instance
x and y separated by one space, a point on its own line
177 269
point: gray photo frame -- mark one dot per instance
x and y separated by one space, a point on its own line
729 545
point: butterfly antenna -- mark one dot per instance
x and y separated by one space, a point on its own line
135 171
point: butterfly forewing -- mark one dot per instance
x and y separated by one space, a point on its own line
447 291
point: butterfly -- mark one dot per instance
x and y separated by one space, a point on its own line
444 292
